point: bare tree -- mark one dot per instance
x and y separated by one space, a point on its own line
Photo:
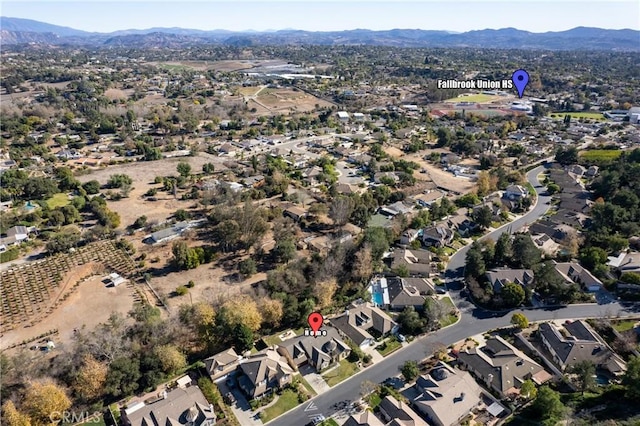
340 210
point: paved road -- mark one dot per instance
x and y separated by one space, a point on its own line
473 321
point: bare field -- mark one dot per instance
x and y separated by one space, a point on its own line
213 282
143 174
114 94
286 99
91 304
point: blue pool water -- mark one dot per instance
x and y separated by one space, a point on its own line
377 298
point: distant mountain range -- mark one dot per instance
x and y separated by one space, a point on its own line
20 31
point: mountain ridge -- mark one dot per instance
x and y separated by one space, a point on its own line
20 31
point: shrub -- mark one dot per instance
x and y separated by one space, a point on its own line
191 284
181 290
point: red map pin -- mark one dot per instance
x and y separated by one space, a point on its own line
315 321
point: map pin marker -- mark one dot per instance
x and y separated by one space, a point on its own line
315 322
520 79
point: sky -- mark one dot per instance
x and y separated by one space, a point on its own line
330 15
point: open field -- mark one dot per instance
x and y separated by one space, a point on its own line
30 293
479 98
441 178
577 115
600 154
291 100
143 173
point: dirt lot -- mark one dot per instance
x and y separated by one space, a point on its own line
213 283
143 173
282 100
440 177
90 304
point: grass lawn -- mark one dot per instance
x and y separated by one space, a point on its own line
576 115
480 98
374 400
344 370
285 402
307 386
622 326
600 154
329 422
389 346
449 251
449 318
58 200
272 340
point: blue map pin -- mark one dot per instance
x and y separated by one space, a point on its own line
520 79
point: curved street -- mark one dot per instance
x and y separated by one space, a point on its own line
473 321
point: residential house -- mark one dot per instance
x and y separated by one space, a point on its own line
545 243
409 236
515 192
498 278
296 213
573 272
446 395
429 197
181 406
553 230
15 236
311 174
343 116
320 352
416 262
164 235
221 364
501 366
626 262
380 175
437 236
403 292
366 418
264 372
254 181
578 343
227 149
397 413
396 208
360 320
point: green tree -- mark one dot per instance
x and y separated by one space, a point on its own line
410 370
520 320
243 338
123 376
483 217
119 180
410 321
474 262
512 294
567 156
528 390
525 252
553 188
376 239
583 375
631 378
502 252
247 267
548 406
285 250
184 169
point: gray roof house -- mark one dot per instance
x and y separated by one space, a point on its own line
221 364
572 272
405 292
359 320
182 406
417 262
320 351
397 413
263 372
447 395
501 366
499 277
579 343
366 418
515 192
437 236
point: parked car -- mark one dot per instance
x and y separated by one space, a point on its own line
229 399
402 338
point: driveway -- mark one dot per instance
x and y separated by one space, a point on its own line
314 379
241 409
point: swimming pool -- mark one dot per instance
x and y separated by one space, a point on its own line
377 298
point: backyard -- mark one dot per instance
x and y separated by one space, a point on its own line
58 200
343 371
